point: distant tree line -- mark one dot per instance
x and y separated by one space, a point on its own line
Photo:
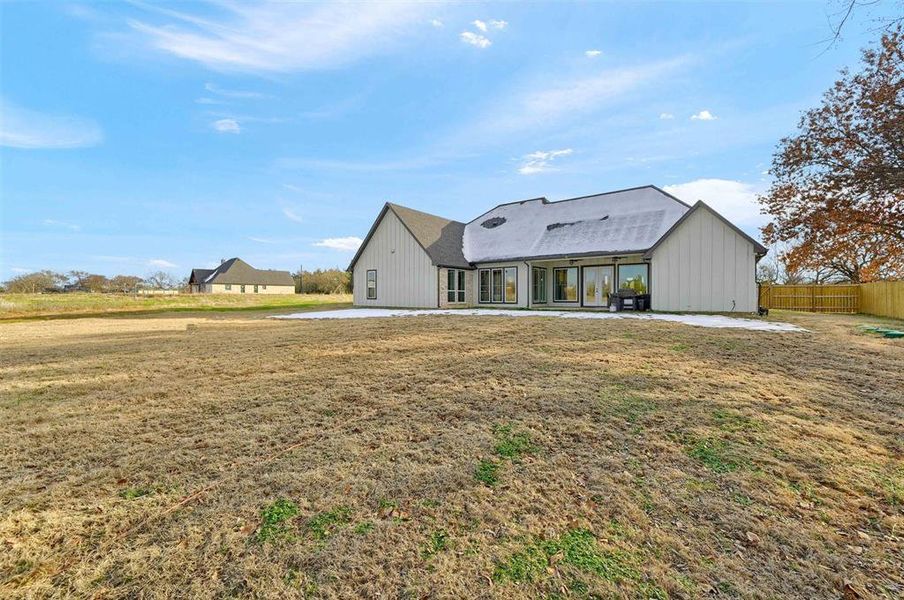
82 281
323 281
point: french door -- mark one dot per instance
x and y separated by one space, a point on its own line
598 285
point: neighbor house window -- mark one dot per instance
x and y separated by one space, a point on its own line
255 288
263 287
565 288
634 277
243 289
456 285
372 284
538 283
499 285
228 287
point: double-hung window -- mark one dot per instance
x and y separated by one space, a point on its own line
538 285
498 286
372 284
565 284
456 286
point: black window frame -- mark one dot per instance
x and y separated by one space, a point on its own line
491 287
367 287
544 288
227 287
640 264
577 285
456 294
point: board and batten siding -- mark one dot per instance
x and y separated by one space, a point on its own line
704 265
405 274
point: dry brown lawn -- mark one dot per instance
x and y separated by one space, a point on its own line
192 456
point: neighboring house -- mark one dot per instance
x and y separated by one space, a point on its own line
566 254
235 276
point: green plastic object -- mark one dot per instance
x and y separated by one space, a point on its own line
894 334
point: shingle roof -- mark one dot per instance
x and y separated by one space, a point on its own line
237 271
199 275
440 238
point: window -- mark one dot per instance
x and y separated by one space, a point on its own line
242 289
456 285
634 277
499 285
228 287
263 287
255 288
565 288
538 280
484 277
372 284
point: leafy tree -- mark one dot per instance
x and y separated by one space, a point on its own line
123 283
838 191
95 283
323 281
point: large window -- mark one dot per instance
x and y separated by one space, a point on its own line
498 286
634 277
372 284
565 288
456 285
538 285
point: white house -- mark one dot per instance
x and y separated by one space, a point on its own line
235 276
572 253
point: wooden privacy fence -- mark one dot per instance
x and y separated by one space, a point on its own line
882 298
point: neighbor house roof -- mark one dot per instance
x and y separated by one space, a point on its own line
439 237
237 271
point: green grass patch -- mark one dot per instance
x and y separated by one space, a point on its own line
716 454
679 347
324 525
623 401
274 520
487 472
364 528
578 549
511 444
135 492
729 420
436 543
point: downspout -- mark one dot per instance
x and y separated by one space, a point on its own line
529 283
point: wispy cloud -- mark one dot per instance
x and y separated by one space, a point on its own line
345 244
704 115
735 200
24 128
261 240
666 116
214 89
475 39
437 23
481 25
499 24
279 37
62 224
206 100
592 53
226 126
292 215
541 161
161 263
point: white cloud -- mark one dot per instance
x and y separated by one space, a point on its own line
540 161
481 25
226 126
213 89
704 115
206 100
345 244
277 37
475 39
63 224
24 128
500 24
261 240
161 264
666 116
19 270
292 215
734 200
592 53
437 23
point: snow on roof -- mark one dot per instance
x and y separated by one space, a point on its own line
613 222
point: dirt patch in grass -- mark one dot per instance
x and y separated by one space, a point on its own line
245 457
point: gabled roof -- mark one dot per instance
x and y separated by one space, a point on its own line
440 238
758 248
237 271
619 222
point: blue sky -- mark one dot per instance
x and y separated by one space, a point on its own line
143 136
